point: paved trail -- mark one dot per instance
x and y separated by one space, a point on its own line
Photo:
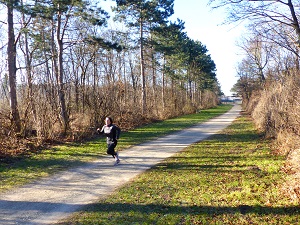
49 200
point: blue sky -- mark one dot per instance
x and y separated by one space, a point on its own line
204 24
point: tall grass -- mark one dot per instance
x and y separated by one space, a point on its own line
230 178
276 112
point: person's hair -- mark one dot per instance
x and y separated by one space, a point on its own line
111 120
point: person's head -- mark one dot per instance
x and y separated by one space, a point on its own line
108 120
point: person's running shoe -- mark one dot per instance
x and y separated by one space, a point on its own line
117 162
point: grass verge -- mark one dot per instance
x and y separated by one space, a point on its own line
70 155
231 178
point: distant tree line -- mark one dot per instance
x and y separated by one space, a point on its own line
63 70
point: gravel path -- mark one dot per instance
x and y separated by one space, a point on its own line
49 200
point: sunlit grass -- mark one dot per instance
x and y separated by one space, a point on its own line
231 178
61 157
155 130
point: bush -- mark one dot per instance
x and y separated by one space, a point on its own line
276 112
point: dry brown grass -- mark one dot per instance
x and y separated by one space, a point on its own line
13 147
291 187
276 112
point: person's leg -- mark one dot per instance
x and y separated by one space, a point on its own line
116 155
111 149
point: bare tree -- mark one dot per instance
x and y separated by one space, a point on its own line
258 53
264 13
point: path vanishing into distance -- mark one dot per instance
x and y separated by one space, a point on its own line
48 200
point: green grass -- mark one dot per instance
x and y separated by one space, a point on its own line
62 157
231 178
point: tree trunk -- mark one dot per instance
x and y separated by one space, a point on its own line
28 62
295 21
12 69
144 101
163 89
60 78
154 100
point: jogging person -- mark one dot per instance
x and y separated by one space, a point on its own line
112 133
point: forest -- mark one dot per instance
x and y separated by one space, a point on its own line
64 69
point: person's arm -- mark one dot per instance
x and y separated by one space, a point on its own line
118 132
100 131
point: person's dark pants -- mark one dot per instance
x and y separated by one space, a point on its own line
111 148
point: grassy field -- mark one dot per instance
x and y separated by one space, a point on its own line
61 157
231 178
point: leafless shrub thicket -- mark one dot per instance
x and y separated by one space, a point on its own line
276 112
